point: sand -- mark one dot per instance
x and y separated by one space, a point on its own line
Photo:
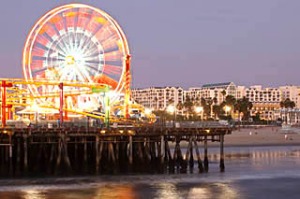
263 136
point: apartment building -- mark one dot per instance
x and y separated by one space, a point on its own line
291 92
216 91
291 116
266 101
158 98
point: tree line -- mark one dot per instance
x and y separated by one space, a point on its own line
211 110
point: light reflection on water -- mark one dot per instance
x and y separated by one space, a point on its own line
242 164
121 191
166 190
33 194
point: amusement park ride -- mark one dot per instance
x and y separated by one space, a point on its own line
76 60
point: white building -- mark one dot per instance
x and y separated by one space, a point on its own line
291 92
266 101
158 98
217 91
288 115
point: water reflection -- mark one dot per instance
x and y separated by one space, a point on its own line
33 194
173 190
116 191
160 190
199 192
166 190
215 190
240 164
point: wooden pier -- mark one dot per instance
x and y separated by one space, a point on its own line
123 149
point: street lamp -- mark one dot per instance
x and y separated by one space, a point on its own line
35 108
148 111
199 109
227 109
171 109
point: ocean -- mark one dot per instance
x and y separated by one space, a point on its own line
250 172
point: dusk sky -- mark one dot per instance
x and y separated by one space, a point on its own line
183 43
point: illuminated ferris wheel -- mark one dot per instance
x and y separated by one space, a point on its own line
77 43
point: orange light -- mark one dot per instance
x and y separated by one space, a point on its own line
101 20
70 14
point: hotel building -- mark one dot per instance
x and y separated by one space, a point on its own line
266 101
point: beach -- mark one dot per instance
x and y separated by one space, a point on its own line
262 136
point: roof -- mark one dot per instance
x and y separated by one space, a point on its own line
225 84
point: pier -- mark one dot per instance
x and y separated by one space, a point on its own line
82 150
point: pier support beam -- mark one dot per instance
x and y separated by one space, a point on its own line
130 154
85 155
25 154
162 149
206 167
222 164
200 165
10 154
45 150
97 154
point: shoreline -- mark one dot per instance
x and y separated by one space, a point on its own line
263 136
255 137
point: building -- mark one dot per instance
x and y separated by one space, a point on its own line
288 115
217 91
266 101
158 98
291 92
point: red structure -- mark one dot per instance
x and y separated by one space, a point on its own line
4 85
61 104
127 86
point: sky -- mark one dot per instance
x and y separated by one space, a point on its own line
183 43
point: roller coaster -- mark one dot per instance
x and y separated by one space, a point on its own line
17 100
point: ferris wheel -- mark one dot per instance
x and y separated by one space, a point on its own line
75 43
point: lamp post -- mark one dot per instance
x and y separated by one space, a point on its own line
199 109
36 113
171 109
148 113
227 109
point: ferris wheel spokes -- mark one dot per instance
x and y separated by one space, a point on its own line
76 43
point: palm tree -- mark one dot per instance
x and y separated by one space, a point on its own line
156 103
207 106
179 107
217 110
229 101
170 101
243 106
287 103
214 103
188 106
223 92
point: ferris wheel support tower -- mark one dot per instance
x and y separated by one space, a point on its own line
127 86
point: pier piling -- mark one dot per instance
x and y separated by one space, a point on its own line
206 166
57 151
222 164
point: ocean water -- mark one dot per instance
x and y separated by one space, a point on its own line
250 172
